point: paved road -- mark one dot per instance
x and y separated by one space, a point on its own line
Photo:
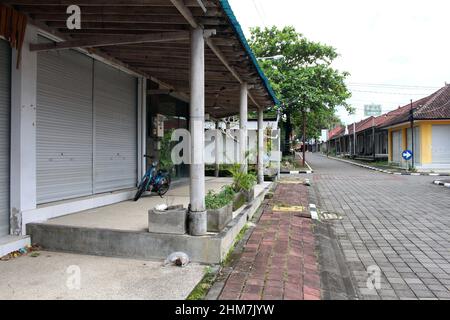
400 224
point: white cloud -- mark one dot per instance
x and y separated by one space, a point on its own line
381 42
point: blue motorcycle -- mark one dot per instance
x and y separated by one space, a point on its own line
154 180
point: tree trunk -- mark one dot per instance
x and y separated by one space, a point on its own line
288 135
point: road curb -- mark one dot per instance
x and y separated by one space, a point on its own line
442 183
414 174
313 211
298 172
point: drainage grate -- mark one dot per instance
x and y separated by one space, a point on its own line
329 216
281 208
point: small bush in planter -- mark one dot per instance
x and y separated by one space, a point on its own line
220 208
219 200
243 182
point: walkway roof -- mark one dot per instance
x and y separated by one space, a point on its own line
163 54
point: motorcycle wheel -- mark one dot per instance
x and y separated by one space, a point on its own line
141 190
164 187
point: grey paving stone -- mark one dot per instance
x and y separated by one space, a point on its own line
386 223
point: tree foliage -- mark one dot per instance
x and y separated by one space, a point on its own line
302 75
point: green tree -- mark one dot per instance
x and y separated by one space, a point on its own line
302 75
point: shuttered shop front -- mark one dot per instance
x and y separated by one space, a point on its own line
115 129
397 147
5 115
441 145
86 110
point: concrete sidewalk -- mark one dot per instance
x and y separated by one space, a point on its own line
52 276
279 260
130 215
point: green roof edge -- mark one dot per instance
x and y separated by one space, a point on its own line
237 28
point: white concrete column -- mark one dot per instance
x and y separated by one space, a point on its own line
23 132
243 132
197 214
218 149
260 146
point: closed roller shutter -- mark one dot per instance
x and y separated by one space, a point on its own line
115 106
5 107
441 144
64 126
397 147
416 144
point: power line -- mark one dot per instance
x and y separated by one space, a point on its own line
392 93
384 85
259 13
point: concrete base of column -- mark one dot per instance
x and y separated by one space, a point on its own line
197 223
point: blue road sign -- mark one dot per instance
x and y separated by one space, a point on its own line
407 155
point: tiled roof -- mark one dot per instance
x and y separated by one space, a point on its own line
336 132
433 107
360 126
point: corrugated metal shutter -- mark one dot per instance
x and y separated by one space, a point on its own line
441 144
64 126
416 144
397 147
115 105
5 116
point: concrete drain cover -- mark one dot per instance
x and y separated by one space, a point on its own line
329 216
279 208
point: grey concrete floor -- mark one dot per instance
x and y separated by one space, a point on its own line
399 224
130 215
54 276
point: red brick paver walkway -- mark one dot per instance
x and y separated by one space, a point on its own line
279 260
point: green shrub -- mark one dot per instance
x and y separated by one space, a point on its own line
219 200
242 181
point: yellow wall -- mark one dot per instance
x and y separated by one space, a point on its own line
404 138
426 138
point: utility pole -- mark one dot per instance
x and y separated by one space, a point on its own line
373 141
354 139
412 134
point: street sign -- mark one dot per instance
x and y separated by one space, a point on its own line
407 155
373 110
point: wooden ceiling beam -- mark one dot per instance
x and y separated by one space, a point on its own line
143 3
185 12
112 9
109 41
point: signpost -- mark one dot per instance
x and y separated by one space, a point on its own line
407 156
373 110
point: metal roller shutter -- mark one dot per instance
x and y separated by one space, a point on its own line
115 105
397 147
416 144
64 126
5 108
441 144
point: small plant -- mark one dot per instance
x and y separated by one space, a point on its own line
219 200
242 181
201 290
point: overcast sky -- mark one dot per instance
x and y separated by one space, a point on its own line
381 43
